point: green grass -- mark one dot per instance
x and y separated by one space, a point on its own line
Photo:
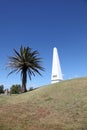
59 106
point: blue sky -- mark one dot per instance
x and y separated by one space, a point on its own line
42 25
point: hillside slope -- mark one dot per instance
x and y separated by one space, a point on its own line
59 106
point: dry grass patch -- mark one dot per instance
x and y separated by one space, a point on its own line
60 106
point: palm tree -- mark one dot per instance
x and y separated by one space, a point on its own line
27 62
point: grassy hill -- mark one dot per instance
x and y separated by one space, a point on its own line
59 106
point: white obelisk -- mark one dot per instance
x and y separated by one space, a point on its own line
56 68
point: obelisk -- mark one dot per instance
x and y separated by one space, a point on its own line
56 68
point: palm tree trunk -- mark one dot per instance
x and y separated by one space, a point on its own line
24 77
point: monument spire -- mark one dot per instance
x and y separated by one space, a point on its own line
56 68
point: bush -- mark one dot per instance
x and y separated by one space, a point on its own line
31 88
15 89
1 89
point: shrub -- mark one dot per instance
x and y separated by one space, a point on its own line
31 88
1 89
15 89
